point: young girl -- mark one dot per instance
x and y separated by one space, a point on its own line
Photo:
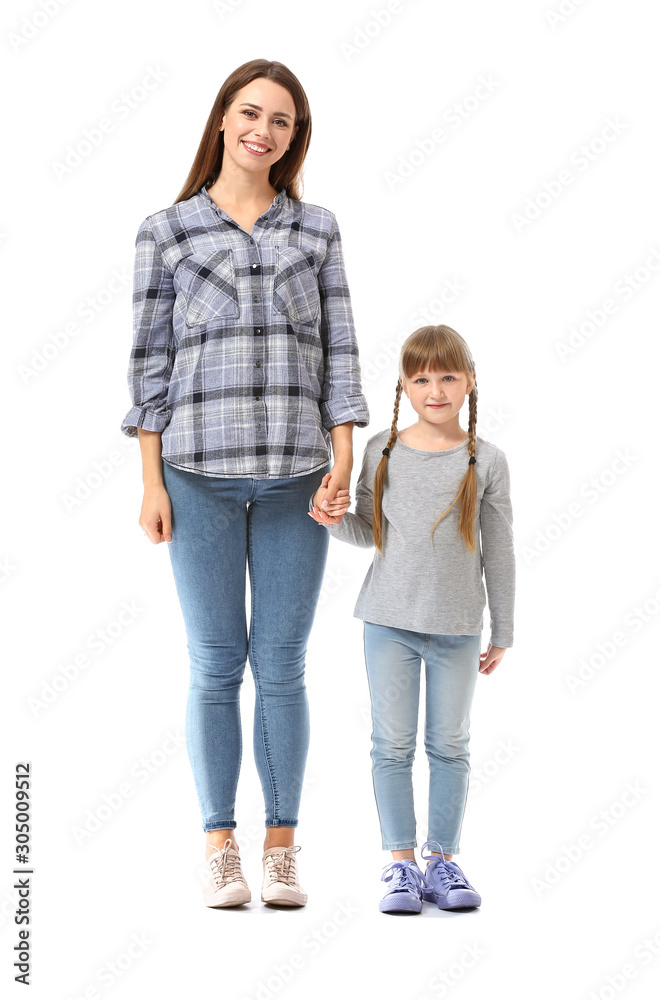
424 496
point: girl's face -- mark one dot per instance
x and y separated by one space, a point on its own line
258 125
437 396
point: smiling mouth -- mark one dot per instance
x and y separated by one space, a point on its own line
255 147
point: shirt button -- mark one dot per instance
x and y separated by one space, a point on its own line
255 265
255 298
257 397
258 364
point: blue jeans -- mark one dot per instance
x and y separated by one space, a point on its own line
219 525
393 657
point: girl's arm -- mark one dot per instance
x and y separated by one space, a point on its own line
497 552
356 527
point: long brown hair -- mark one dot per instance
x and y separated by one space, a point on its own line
434 348
287 172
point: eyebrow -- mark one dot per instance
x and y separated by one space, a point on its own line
280 114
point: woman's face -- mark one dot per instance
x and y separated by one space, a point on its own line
259 124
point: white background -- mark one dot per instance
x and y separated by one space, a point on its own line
557 918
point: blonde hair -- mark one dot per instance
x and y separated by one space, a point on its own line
435 348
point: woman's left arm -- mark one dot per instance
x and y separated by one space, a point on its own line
342 452
342 403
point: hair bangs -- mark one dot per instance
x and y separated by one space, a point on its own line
435 349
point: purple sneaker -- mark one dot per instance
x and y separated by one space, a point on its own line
449 887
407 884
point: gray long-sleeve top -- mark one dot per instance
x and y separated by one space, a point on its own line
435 588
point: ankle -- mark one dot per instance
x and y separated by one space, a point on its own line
279 836
218 838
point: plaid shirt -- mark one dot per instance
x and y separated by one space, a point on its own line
244 352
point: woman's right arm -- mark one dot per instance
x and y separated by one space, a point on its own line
156 513
150 368
154 352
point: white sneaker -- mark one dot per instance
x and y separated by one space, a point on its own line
281 883
226 885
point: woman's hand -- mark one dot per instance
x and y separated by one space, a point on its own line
339 478
156 515
491 658
330 507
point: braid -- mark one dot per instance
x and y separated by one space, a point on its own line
379 478
467 492
472 420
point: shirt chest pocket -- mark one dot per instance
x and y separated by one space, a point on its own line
208 285
296 287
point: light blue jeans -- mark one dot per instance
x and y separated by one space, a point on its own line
218 526
393 657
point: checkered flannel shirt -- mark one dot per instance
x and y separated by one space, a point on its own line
244 352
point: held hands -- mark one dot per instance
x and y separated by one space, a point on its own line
491 658
332 500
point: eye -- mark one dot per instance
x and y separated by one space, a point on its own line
421 379
452 377
277 121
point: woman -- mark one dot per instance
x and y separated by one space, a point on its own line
244 370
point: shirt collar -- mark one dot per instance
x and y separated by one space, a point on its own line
276 203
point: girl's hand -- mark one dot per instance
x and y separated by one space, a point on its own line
333 513
491 658
321 515
156 515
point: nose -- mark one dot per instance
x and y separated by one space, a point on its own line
261 132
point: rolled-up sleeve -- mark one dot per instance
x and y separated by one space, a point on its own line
153 351
341 398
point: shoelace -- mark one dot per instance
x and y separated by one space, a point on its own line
225 867
281 867
450 873
403 876
452 878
